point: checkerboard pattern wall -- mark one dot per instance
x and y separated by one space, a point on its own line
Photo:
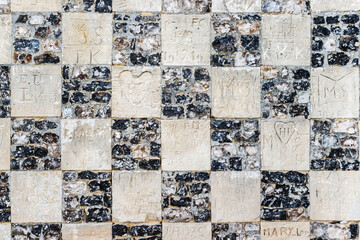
179 119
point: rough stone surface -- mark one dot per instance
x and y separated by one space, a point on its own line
136 144
137 5
137 231
179 231
5 143
5 231
5 91
88 231
332 231
224 231
86 196
186 92
137 40
36 231
186 196
100 6
6 40
35 144
285 196
235 145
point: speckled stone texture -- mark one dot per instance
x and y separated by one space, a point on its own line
186 92
5 91
36 231
224 231
137 231
235 145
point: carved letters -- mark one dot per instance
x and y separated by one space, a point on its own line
236 5
180 231
285 230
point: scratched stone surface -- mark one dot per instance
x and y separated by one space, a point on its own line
179 119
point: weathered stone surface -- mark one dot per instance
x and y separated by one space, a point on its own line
35 144
334 195
285 144
5 204
137 40
5 231
5 91
36 231
86 91
136 196
335 39
236 6
235 40
35 5
285 92
86 144
143 231
285 40
101 6
87 231
32 200
36 91
242 201
186 196
87 196
334 145
185 145
179 231
5 41
87 39
236 92
284 196
136 144
339 5
5 143
187 6
286 6
194 50
235 145
5 6
186 92
136 92
335 92
336 230
224 231
137 5
285 231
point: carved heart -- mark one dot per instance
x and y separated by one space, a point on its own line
284 130
137 87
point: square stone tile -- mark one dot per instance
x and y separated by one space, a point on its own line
285 231
5 211
5 143
136 196
87 38
285 92
32 200
235 39
87 231
335 39
136 92
186 92
5 6
36 91
137 39
5 41
36 231
35 144
334 196
286 6
338 5
222 231
35 5
332 231
235 145
185 39
335 92
187 6
180 231
242 201
136 144
179 151
186 196
285 196
144 231
5 231
236 6
37 38
285 144
86 91
334 145
236 92
86 196
102 6
86 144
285 40
137 5
5 91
